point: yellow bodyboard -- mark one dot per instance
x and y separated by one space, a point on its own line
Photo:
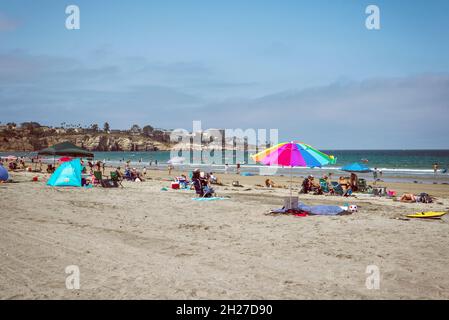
428 214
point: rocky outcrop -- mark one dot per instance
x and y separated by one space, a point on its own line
92 142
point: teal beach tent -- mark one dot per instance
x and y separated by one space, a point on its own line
68 174
356 167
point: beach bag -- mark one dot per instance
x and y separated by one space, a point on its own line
424 198
235 183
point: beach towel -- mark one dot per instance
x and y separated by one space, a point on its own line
246 174
322 210
209 199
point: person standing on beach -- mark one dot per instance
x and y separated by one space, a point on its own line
435 168
144 172
238 167
375 175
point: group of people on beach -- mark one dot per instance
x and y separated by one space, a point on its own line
346 185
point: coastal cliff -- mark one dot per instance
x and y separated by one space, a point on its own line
31 136
34 138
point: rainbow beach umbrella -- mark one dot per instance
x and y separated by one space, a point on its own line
293 154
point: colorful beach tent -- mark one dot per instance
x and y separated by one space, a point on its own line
68 174
67 149
4 176
356 167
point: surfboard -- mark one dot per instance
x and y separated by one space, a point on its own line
427 215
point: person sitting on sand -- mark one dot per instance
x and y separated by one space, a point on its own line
199 182
353 181
327 181
316 188
50 168
119 174
345 184
308 185
98 166
213 179
269 183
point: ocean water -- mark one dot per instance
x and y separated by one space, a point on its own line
407 165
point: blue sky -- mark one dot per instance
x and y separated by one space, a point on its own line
308 68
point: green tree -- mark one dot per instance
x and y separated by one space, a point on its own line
106 127
135 129
147 130
94 127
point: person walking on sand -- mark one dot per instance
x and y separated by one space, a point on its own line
238 167
375 175
435 168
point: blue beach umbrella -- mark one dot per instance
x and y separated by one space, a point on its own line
356 167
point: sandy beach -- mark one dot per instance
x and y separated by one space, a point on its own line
139 242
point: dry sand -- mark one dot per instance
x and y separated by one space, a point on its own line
140 242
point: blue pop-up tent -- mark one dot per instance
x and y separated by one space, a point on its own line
3 173
356 167
68 174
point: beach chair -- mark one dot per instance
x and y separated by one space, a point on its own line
98 178
115 177
362 185
324 186
337 188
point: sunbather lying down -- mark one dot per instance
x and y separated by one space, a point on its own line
408 197
422 197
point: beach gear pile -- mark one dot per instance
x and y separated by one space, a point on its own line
4 176
319 210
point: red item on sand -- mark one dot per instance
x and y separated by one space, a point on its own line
65 159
